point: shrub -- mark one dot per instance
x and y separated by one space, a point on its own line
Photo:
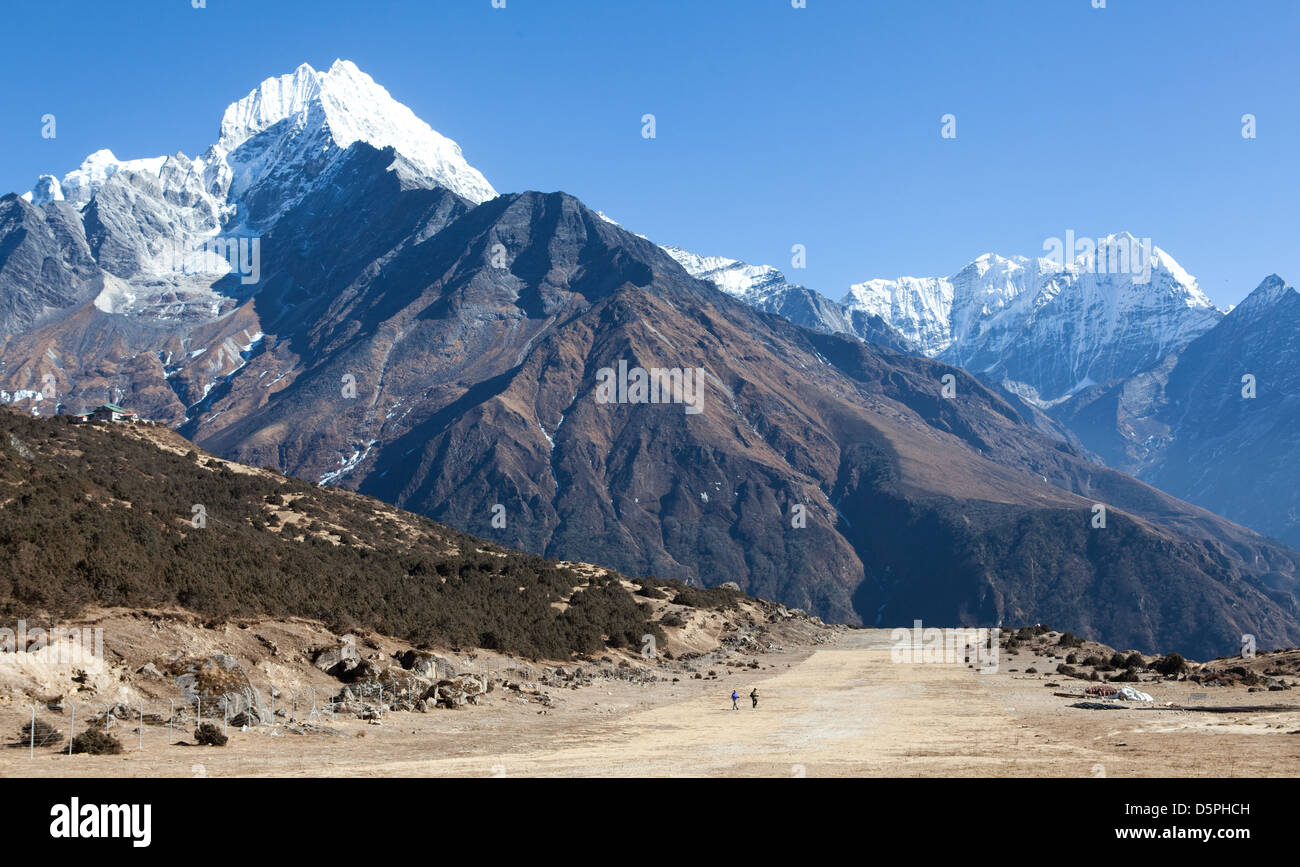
1069 639
1170 665
1135 661
407 577
46 735
716 598
208 735
96 742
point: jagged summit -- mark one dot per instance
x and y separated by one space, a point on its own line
1268 293
282 127
1047 327
348 105
149 221
80 184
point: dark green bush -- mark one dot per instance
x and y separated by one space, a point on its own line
68 544
96 742
1170 665
208 735
713 598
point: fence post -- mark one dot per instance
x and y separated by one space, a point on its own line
199 721
171 715
141 725
72 728
31 737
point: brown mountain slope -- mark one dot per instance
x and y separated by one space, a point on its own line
446 359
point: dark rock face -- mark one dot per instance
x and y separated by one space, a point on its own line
447 358
46 265
803 306
1188 426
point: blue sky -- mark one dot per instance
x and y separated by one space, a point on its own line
776 126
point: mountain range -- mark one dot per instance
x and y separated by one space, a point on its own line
1139 371
383 321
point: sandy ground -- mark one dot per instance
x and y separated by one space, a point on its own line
844 709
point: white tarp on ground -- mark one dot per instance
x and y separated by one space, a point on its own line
1128 693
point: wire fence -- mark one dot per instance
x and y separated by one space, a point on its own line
267 709
149 722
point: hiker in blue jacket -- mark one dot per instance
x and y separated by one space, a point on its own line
735 697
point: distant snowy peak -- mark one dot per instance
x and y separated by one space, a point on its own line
736 278
1121 271
767 289
1265 297
289 125
1049 326
47 189
350 107
919 307
80 184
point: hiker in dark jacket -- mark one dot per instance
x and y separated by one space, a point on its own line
754 696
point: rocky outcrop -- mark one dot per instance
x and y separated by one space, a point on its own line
221 685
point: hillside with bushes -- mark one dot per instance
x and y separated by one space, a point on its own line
135 516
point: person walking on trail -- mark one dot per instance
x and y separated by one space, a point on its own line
735 697
754 697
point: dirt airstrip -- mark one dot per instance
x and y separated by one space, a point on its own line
836 709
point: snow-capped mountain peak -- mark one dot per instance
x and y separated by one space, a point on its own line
1048 326
160 219
80 184
1272 290
767 288
47 189
738 279
326 112
350 107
